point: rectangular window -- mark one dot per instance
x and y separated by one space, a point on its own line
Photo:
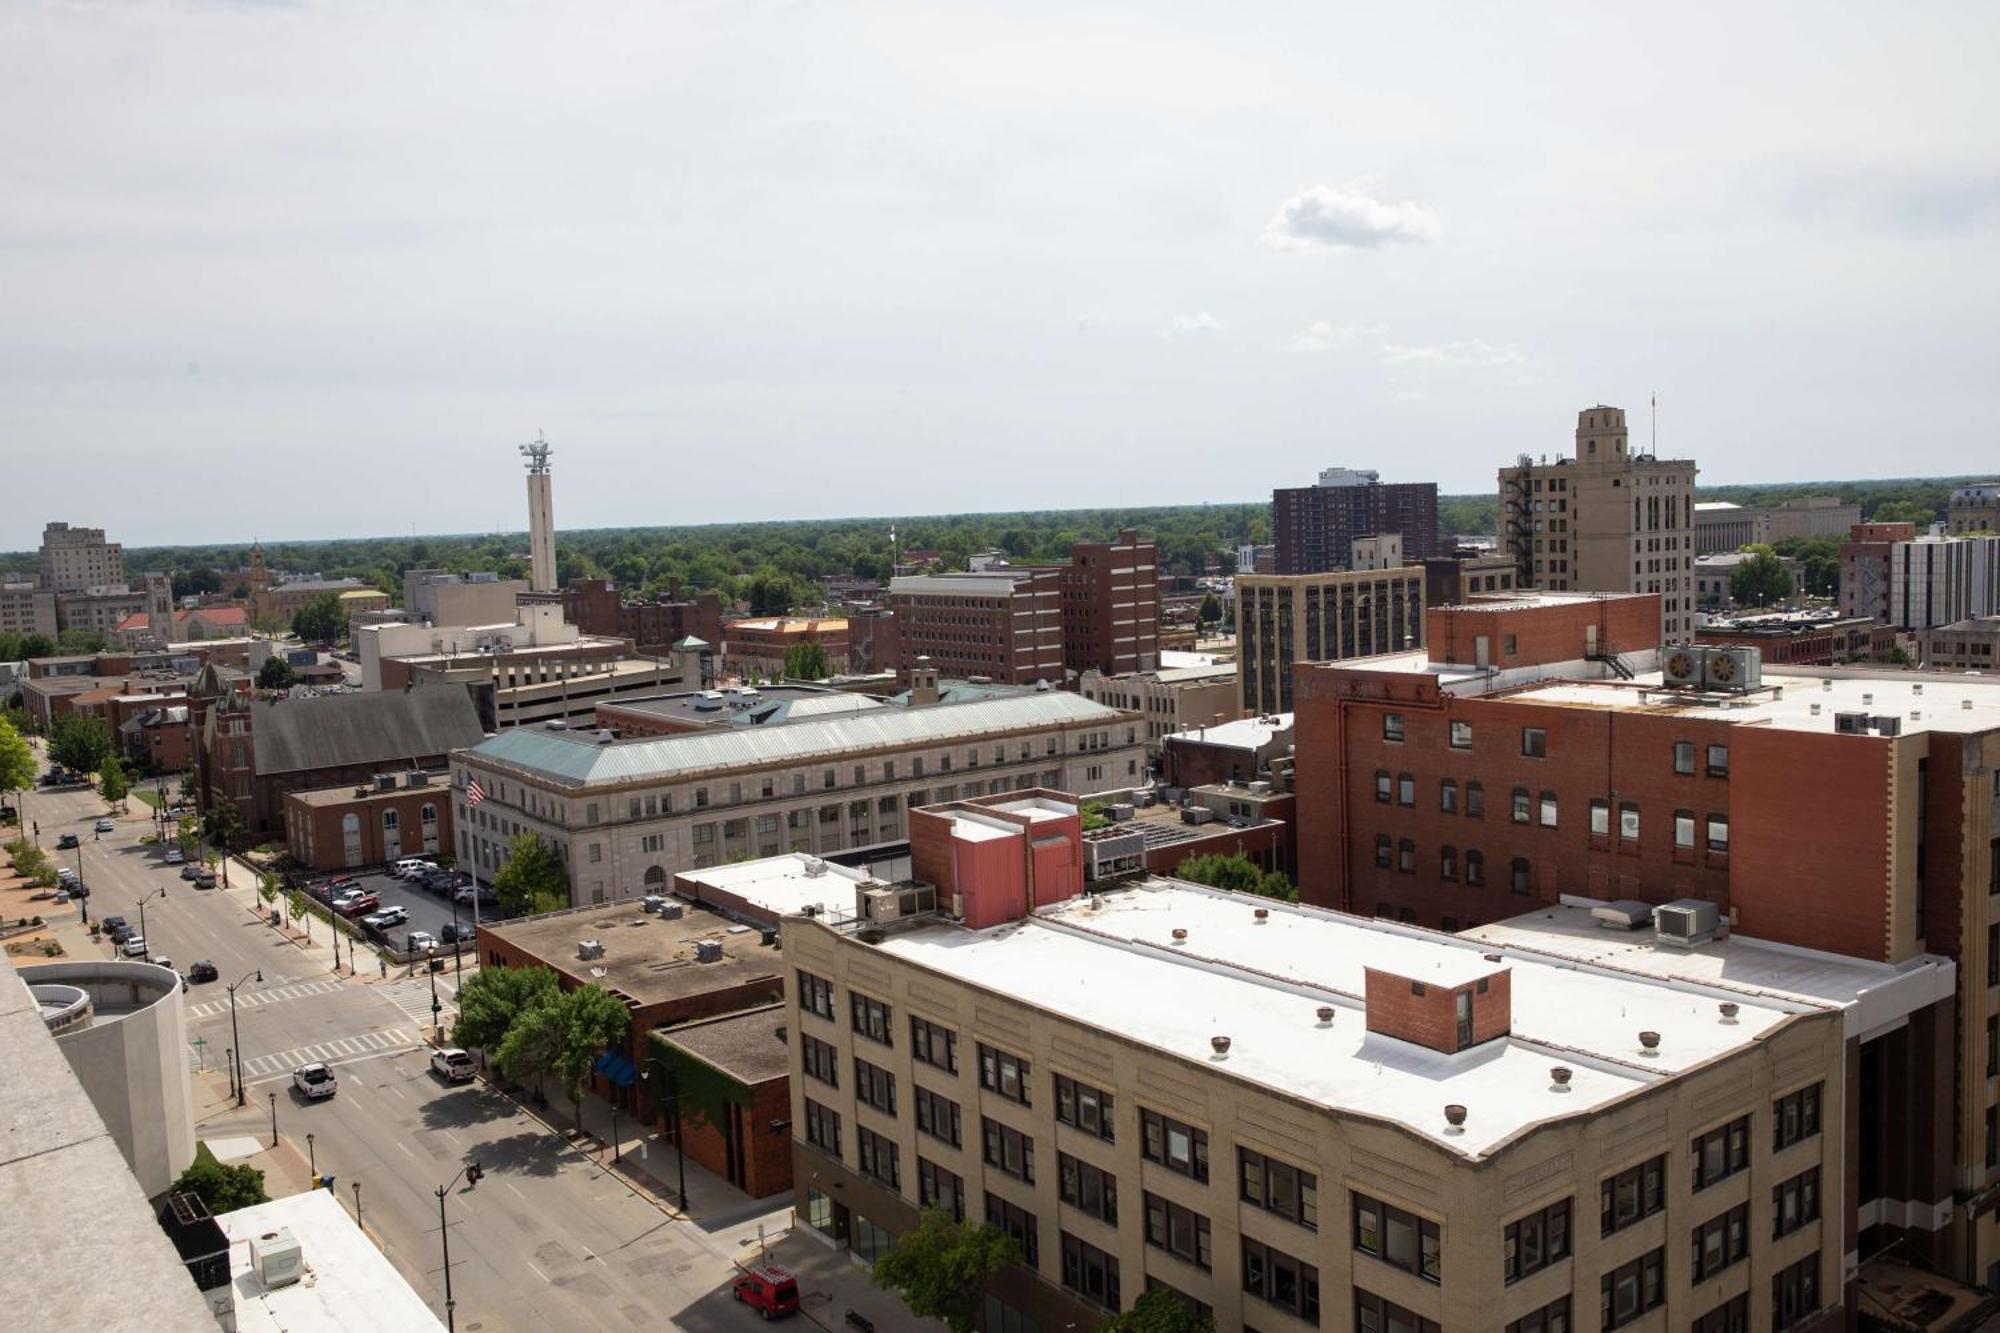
1523 806
1720 1242
938 1116
1600 818
1279 1279
822 1127
1630 1290
1633 1194
1384 786
1684 757
939 1188
1176 1146
1003 1073
1628 821
1795 1203
1534 742
1795 1117
933 1044
1548 809
1684 830
1406 790
815 995
1475 801
1392 726
1718 834
1461 735
1018 1223
871 1018
1009 1150
1795 1293
1398 1238
1530 1244
1084 1107
877 1157
1721 1152
821 1060
1551 1318
1448 796
1089 1272
1732 1316
1372 1314
1090 1188
1278 1187
874 1086
1718 761
1179 1231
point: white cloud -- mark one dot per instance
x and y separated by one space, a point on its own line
1465 352
1325 337
1326 218
1186 326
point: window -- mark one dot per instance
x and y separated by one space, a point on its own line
1548 809
1089 1272
1551 1318
1278 1279
1795 1293
1003 1073
1517 875
1721 1241
1632 1289
1461 735
877 1157
1718 834
1523 806
1372 1314
1684 757
933 1044
1475 867
1008 1149
815 995
1018 1223
1721 1152
1633 1194
1475 801
1179 1231
1406 790
1384 851
1718 761
1628 821
1087 1108
1795 1117
1600 817
939 1188
871 1018
1732 1316
1448 863
1176 1146
821 1060
1278 1187
1383 786
1795 1203
1532 1243
1406 857
822 1127
1683 830
1090 1188
874 1086
1398 1238
1392 726
1448 796
1534 742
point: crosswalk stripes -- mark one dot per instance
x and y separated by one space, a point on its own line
249 997
413 996
338 1048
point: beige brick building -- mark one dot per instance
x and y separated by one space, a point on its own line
1287 618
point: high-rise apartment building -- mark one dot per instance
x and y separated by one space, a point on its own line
1936 580
1316 525
79 559
1607 520
1864 567
1286 618
1111 606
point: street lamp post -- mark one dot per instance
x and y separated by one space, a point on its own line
457 965
357 1202
160 892
471 1172
236 1035
437 1007
614 1123
274 1120
312 1158
82 903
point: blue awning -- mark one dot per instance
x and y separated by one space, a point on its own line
616 1066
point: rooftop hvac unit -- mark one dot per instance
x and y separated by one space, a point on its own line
814 867
671 910
1260 787
1145 800
1119 811
1625 914
416 777
1734 669
1887 726
1681 665
385 782
1850 724
651 902
1196 814
708 951
277 1258
589 950
1685 922
879 905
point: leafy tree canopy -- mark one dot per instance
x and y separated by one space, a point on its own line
492 998
531 879
223 826
191 582
17 761
113 784
80 741
1239 874
320 620
1160 1311
223 1188
1762 580
276 674
807 661
941 1267
1211 609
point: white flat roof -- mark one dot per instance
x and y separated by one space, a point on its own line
782 884
1260 985
1249 733
349 1284
1787 699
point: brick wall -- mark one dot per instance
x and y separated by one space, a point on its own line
1430 1019
1542 632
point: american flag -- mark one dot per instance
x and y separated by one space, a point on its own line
474 793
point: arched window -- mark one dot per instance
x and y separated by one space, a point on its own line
392 837
428 816
390 820
1475 866
656 876
1448 863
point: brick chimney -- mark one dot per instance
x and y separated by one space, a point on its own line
1474 1009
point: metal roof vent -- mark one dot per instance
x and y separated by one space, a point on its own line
1966 704
1729 1011
1326 1016
1220 1045
1263 915
1649 1044
1180 934
1867 700
1916 687
1815 710
1559 1078
1454 1118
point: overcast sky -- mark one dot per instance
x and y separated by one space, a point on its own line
314 270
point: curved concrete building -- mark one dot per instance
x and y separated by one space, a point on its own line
121 1027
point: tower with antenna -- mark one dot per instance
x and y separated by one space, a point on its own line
541 516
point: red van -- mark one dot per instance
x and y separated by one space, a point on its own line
769 1290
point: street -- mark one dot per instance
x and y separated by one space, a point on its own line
549 1240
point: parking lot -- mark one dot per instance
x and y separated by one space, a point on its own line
428 911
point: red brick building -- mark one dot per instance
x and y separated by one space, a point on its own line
756 647
370 824
1003 625
1111 606
735 1078
999 856
595 607
873 644
1801 640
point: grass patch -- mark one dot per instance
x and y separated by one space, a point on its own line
148 795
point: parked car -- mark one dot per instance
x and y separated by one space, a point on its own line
174 856
356 904
202 970
65 842
439 881
314 1081
453 1065
422 940
457 932
161 960
65 875
344 896
61 896
412 867
387 917
768 1289
190 870
106 826
204 878
134 946
111 923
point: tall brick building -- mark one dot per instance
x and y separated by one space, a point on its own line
596 607
1006 625
1111 606
1316 526
1539 753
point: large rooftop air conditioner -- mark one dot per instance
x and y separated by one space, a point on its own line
277 1258
1733 669
1685 923
1681 665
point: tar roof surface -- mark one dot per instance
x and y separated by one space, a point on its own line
646 958
1923 701
749 1046
339 731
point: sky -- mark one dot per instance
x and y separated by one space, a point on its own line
315 270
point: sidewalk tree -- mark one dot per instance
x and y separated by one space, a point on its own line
320 620
17 761
112 783
493 997
1160 1311
941 1267
267 888
276 674
1211 609
223 1188
80 742
590 1018
531 879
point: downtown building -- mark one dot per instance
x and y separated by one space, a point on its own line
1316 526
1283 619
1550 758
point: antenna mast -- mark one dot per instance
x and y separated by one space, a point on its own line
1654 448
537 452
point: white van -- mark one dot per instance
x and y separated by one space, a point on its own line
410 866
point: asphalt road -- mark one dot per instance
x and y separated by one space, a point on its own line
548 1241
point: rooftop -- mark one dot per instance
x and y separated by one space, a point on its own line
751 705
798 624
349 1283
1113 957
749 1046
785 885
1249 733
348 792
991 583
343 731
647 959
1800 699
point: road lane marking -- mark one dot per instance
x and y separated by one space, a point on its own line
517 1193
286 1076
536 1271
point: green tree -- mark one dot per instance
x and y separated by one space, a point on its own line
223 826
80 741
223 1188
941 1267
75 642
320 620
1904 510
192 582
1093 815
531 880
493 997
1819 563
267 888
17 761
276 674
1160 1311
112 783
1762 580
1239 874
1211 609
807 661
